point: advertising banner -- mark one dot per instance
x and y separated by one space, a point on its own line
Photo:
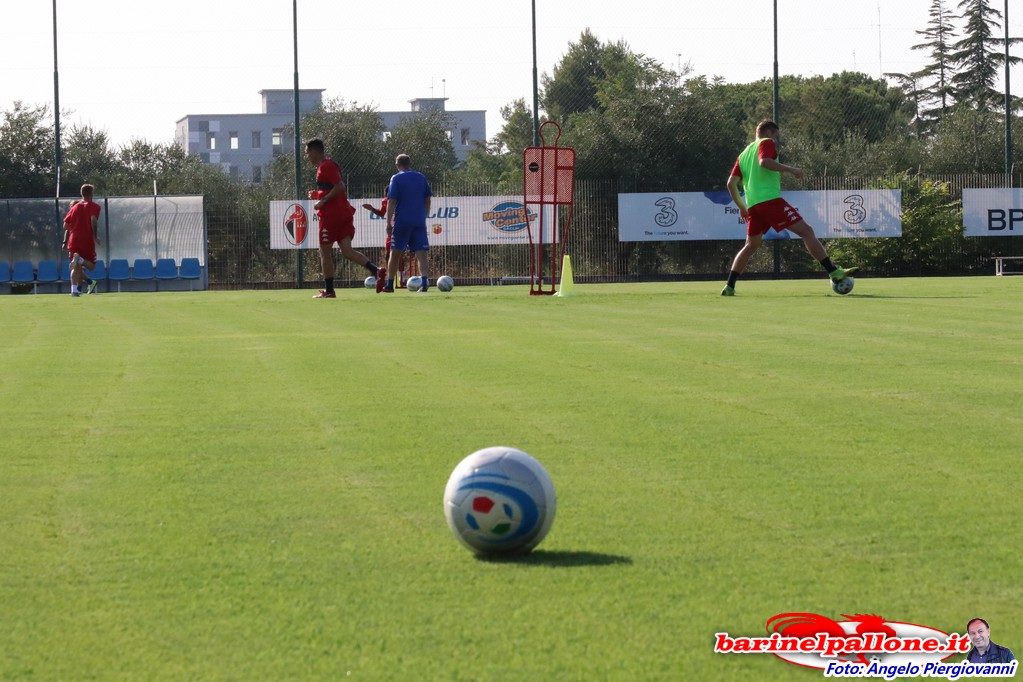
453 221
676 216
993 212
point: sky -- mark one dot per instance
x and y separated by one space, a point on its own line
134 68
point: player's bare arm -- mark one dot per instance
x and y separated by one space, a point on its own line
329 196
95 231
772 164
733 189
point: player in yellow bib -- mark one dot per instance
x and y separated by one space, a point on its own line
759 172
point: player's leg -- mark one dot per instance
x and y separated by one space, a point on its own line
76 273
816 249
392 267
400 241
422 247
327 268
356 256
741 260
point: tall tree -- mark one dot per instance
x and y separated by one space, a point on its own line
940 35
572 88
978 57
26 152
427 139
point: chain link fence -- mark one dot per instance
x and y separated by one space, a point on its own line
243 258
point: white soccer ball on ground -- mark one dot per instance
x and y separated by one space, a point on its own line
499 500
414 283
371 282
843 286
445 283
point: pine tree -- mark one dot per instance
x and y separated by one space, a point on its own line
939 34
978 56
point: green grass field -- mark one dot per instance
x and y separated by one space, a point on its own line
247 485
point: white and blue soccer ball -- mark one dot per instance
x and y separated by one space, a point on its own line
414 283
371 282
843 286
499 500
445 283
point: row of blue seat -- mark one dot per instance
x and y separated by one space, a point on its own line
142 269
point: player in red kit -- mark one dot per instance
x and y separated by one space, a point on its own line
80 238
337 218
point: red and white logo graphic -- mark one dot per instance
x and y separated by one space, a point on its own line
860 640
296 224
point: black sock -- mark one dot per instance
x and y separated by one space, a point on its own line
328 284
371 266
828 266
732 276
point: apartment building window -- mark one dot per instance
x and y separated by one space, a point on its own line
233 171
465 136
234 139
257 139
211 140
450 134
257 174
276 141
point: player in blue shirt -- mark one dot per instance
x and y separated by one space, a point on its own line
408 205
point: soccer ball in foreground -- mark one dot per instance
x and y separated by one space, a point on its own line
371 282
445 283
843 286
499 500
414 283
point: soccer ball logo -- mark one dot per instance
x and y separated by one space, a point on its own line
499 500
843 286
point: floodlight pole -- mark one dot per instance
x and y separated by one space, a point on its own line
298 141
536 90
56 121
1008 105
774 116
774 89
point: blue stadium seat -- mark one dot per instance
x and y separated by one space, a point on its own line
191 271
142 269
119 270
190 268
99 273
5 271
23 272
65 270
166 269
48 271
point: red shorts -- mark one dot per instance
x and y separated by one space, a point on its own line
334 228
776 213
88 254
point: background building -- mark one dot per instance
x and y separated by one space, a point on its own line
244 144
466 126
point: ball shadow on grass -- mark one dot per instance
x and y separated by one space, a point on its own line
557 558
